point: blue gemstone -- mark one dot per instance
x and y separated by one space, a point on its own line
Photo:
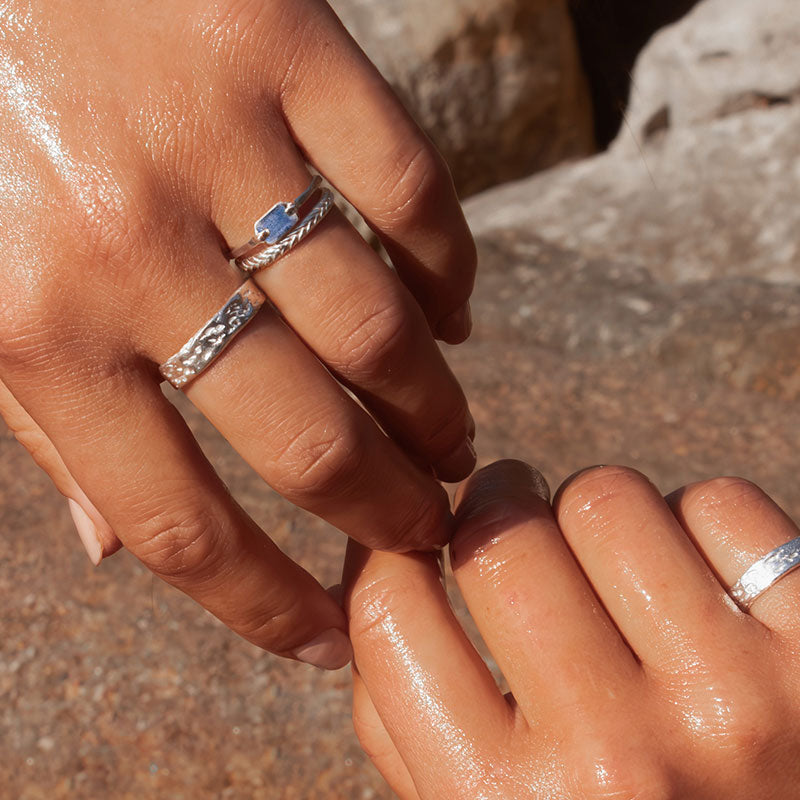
275 224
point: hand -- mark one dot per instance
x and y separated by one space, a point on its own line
633 673
140 140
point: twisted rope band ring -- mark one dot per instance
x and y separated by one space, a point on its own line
276 223
214 336
765 573
267 255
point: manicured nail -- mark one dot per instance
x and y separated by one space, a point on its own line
458 464
87 532
457 326
330 650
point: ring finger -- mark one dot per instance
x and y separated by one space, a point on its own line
734 524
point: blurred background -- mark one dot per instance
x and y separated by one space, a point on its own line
631 172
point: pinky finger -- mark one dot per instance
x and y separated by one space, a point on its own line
95 533
377 743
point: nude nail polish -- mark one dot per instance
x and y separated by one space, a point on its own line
86 531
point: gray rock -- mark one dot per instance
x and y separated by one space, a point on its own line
498 86
724 57
714 199
703 182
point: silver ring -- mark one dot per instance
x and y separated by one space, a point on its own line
276 223
271 253
214 336
766 572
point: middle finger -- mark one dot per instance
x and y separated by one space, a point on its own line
350 309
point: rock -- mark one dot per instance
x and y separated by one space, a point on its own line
703 182
643 306
710 200
498 86
726 56
610 34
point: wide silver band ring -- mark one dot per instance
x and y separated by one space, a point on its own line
765 573
198 353
271 253
269 228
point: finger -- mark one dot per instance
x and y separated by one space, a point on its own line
139 463
355 130
651 579
429 686
95 533
534 609
300 431
377 743
270 397
734 523
353 312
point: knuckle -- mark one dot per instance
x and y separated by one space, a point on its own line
418 182
378 339
421 522
725 491
747 730
380 596
617 776
589 492
183 549
321 460
273 622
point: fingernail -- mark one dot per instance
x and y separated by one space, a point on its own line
330 650
86 531
457 326
458 464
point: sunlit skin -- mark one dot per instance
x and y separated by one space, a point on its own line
139 141
633 675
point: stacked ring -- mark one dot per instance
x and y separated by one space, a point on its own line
271 253
275 233
280 229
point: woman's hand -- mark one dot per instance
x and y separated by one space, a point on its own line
139 141
633 674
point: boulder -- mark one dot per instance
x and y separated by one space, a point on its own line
703 180
643 306
498 86
725 57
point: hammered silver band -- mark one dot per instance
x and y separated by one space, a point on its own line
201 350
271 253
276 223
765 573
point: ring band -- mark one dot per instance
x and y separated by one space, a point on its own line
766 572
276 223
198 353
271 253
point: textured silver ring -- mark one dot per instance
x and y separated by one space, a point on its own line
276 223
766 572
271 253
214 336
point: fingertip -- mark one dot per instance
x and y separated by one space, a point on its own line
329 650
494 500
506 478
455 328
